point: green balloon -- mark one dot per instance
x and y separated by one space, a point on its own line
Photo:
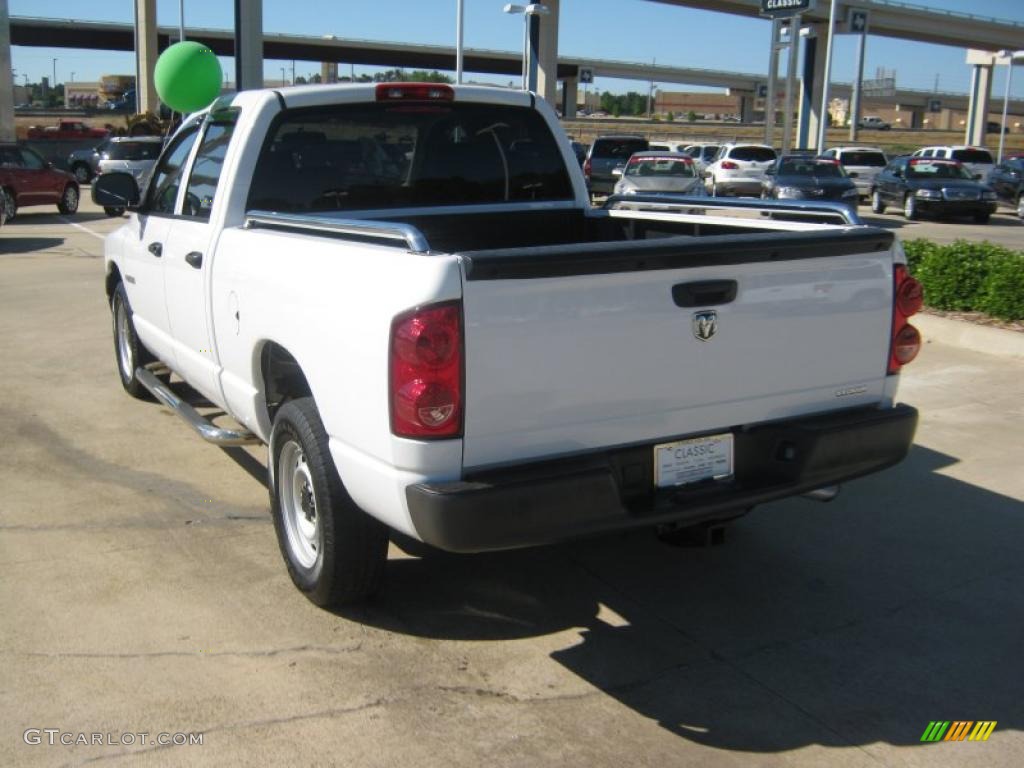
187 76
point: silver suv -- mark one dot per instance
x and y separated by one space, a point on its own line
739 169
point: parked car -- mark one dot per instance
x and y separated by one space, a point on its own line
799 177
84 163
606 154
861 164
977 160
662 145
1007 181
65 130
26 179
580 150
928 185
131 154
738 169
660 172
455 345
873 122
703 154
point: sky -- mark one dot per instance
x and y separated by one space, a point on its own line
624 30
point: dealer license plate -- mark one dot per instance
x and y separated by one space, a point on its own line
690 461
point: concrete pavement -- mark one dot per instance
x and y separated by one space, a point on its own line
141 589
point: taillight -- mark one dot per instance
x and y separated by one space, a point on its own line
414 92
908 297
586 167
426 372
729 165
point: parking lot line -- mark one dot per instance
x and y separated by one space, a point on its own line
85 229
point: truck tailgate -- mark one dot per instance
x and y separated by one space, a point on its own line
581 347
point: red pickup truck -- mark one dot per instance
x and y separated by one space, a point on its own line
67 129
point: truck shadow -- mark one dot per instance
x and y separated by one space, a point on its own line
852 623
10 243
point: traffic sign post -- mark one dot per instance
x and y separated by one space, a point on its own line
858 25
586 75
777 10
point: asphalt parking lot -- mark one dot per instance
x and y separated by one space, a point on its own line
142 591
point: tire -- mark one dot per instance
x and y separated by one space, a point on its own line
877 206
82 173
335 552
11 202
129 353
982 218
1020 206
113 211
910 208
69 200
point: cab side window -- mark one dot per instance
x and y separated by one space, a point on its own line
31 160
10 157
202 182
163 189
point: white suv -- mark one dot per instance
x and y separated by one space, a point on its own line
739 169
977 160
861 164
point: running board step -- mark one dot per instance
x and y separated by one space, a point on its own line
207 430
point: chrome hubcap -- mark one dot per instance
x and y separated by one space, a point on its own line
124 347
298 505
70 198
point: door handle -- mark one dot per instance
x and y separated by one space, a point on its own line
194 259
157 249
704 293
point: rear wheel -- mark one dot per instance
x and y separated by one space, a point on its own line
69 200
82 173
128 350
877 206
1020 206
910 207
334 551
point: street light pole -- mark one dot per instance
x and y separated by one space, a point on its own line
54 84
181 21
460 15
528 11
823 118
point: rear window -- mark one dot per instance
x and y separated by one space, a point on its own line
752 154
617 148
863 159
389 155
710 151
972 156
133 150
639 165
819 169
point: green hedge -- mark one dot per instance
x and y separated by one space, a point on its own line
969 277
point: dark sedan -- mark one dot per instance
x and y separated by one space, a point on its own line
926 185
1007 181
805 177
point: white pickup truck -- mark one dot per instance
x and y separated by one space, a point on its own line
403 290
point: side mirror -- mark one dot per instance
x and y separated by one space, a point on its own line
853 175
617 172
769 172
116 190
977 176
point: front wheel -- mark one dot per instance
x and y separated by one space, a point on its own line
10 203
334 551
982 218
877 206
128 350
1020 206
69 200
910 207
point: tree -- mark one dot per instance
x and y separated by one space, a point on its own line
691 116
671 116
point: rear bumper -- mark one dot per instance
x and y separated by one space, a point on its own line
738 186
554 500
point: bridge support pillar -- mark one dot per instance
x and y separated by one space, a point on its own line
146 54
746 106
812 83
570 94
547 70
249 44
979 97
7 132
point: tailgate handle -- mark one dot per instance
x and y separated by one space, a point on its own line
704 293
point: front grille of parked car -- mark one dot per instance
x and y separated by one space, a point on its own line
959 193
